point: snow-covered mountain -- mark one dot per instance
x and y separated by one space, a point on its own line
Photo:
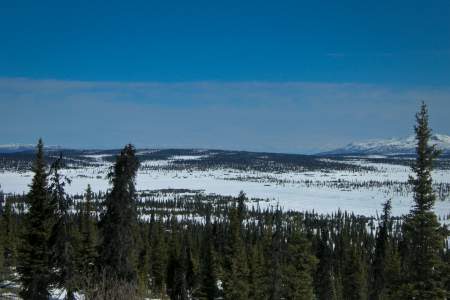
392 146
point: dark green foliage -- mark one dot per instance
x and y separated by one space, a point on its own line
386 264
118 252
424 196
324 285
236 280
61 240
273 247
89 236
382 250
10 234
422 238
2 247
299 267
176 267
276 249
34 264
158 258
257 272
354 276
143 266
208 266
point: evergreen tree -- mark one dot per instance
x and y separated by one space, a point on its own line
298 268
381 254
422 238
118 252
257 272
182 268
190 266
63 253
2 252
274 249
446 271
89 235
9 225
393 274
354 277
35 254
158 260
324 285
386 263
236 281
176 269
143 249
208 266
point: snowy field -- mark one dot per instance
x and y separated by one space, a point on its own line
324 191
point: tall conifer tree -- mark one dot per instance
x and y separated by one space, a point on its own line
35 254
422 237
158 259
381 254
236 282
208 265
9 225
63 253
299 267
88 230
2 250
118 252
324 276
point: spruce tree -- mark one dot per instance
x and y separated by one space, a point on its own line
208 265
190 266
354 275
34 265
236 285
324 285
144 259
257 272
386 263
10 231
274 249
63 253
158 259
422 238
176 273
298 269
118 252
2 252
378 284
88 230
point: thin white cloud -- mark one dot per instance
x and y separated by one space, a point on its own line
277 116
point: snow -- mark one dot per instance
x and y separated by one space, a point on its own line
188 157
14 182
392 146
316 191
60 294
98 157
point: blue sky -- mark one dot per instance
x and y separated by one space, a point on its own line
289 76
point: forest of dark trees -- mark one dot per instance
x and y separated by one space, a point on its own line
125 244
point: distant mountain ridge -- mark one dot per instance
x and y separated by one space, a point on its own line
393 146
14 148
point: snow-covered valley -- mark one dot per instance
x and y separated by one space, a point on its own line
321 186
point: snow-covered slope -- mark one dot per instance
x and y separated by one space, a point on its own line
391 146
